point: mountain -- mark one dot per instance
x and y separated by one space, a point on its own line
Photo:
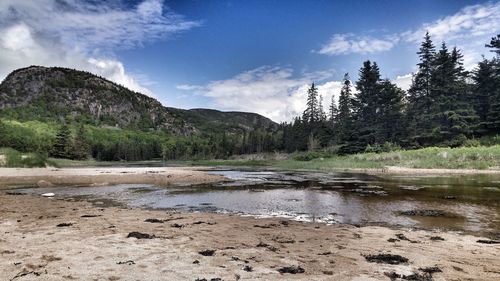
55 93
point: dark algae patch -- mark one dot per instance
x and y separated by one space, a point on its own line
483 241
291 269
386 258
207 253
425 213
140 235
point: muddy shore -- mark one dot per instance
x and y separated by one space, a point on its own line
162 176
55 239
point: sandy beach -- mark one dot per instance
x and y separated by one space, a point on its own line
55 239
162 176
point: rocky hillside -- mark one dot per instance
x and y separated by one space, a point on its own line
42 93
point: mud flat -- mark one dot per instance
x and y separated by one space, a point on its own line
162 176
55 239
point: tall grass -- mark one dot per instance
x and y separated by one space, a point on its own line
481 157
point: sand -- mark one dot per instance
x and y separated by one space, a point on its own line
96 247
162 176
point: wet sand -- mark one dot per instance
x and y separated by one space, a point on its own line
162 176
54 239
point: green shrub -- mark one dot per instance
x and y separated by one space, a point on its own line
14 158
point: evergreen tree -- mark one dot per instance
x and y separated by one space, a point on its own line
487 90
366 105
333 111
419 94
311 113
62 144
451 114
3 133
391 125
321 110
343 119
495 44
80 148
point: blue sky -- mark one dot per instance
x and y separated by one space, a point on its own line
237 55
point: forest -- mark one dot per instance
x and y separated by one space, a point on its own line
445 106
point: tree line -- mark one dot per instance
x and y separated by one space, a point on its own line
444 106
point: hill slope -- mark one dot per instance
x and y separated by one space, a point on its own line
42 93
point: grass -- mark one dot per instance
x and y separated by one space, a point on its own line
14 159
482 157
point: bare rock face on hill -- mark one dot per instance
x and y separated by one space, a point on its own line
43 93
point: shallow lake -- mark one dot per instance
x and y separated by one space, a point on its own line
469 203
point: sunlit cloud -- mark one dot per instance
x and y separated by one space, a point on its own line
82 34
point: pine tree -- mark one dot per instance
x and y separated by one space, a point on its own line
3 133
495 44
311 113
321 110
366 106
419 94
484 88
487 90
391 122
451 114
62 144
333 111
80 148
343 119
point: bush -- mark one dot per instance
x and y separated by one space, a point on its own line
386 147
310 155
472 143
14 158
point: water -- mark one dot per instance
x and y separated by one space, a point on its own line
472 203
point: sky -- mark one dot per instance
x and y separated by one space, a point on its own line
256 56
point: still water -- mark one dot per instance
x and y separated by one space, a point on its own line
471 203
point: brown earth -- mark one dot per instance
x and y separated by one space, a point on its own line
162 176
55 239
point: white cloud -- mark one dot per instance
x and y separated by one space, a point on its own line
270 91
471 21
403 81
82 34
341 44
469 29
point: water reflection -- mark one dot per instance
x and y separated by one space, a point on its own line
472 202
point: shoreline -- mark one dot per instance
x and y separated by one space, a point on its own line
57 239
396 170
162 176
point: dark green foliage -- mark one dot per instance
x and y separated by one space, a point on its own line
343 120
495 44
62 143
312 112
80 148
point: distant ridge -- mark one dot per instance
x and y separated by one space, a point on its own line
56 93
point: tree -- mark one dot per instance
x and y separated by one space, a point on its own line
366 104
344 116
80 148
333 111
391 122
321 110
495 44
451 115
3 133
419 94
311 113
487 91
62 144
